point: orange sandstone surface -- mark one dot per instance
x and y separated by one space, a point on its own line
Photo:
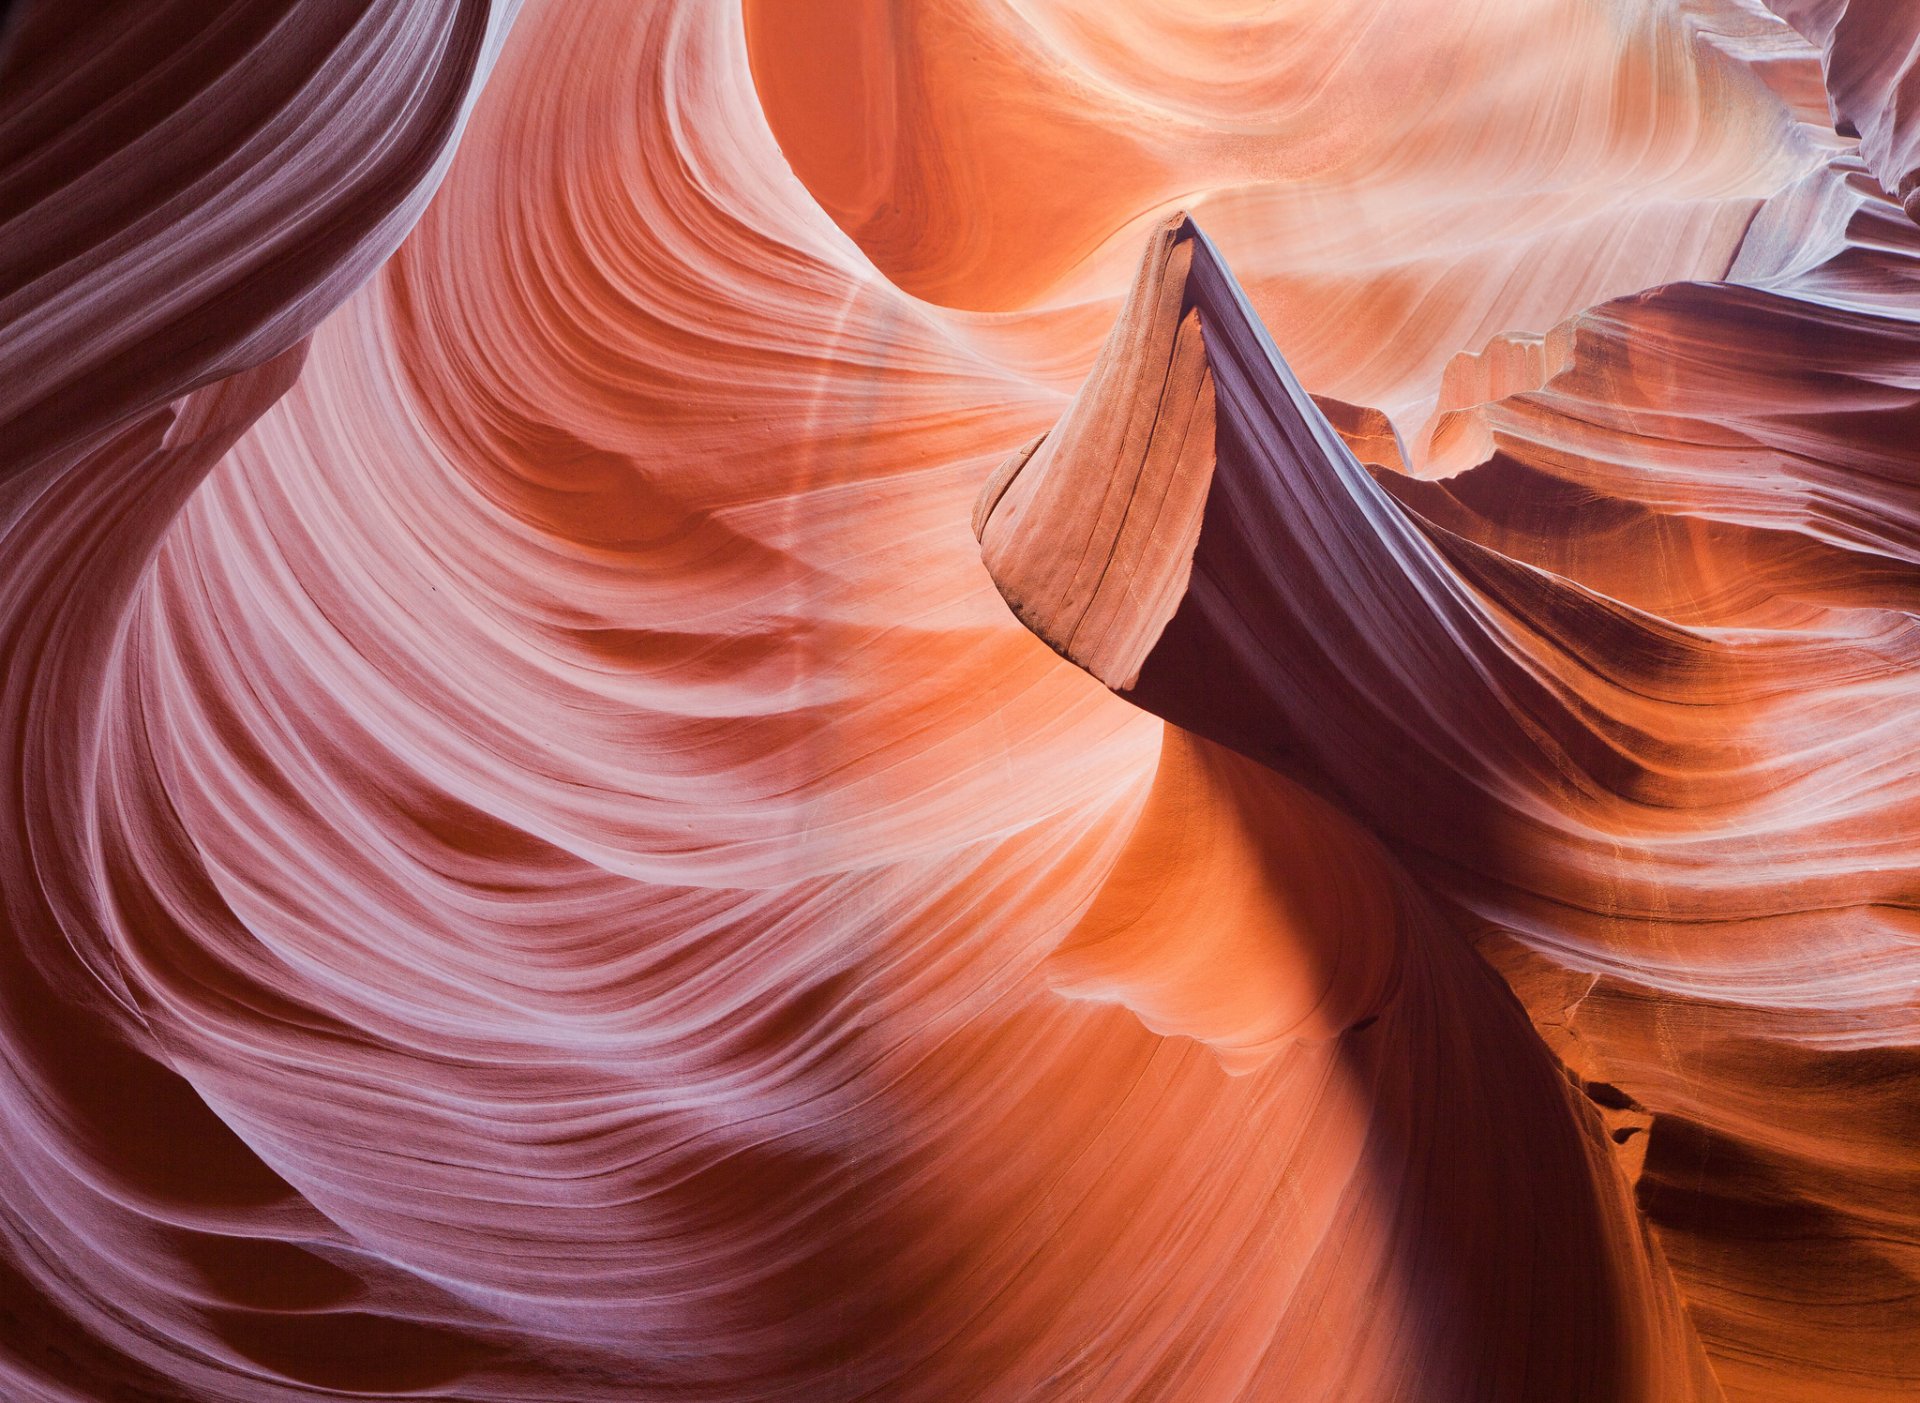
541 859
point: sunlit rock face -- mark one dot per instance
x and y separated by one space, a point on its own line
990 699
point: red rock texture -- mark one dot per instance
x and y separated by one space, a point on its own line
536 862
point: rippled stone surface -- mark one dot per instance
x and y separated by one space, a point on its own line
536 862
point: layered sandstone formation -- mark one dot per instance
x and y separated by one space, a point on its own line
1606 703
535 862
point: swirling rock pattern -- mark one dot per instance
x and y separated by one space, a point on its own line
1870 53
539 865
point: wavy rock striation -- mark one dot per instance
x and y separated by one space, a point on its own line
170 233
1870 57
536 864
1607 702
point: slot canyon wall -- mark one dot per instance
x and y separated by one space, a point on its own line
811 700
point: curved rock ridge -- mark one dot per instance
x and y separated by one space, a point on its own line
1308 612
1218 622
1605 696
186 191
1734 457
169 224
1870 56
1089 531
